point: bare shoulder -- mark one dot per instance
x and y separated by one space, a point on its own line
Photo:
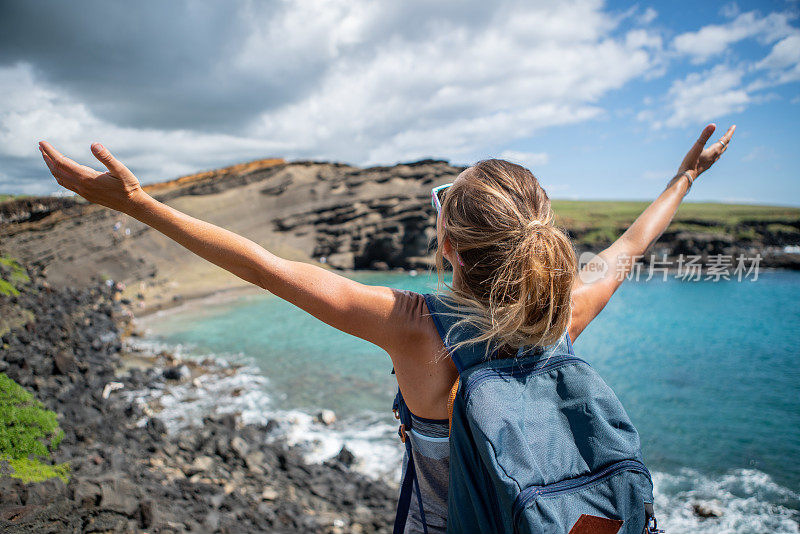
416 317
424 371
417 338
421 345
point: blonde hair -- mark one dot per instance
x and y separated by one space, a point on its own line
519 267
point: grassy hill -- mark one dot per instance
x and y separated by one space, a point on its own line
601 221
4 197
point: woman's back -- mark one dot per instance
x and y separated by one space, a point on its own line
544 423
429 436
423 368
426 388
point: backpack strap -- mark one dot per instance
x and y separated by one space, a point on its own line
451 399
410 482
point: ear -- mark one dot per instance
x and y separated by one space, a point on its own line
447 250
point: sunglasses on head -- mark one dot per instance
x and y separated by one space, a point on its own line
437 198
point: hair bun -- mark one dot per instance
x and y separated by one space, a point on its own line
534 224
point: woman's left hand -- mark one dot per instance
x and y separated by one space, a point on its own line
117 188
699 159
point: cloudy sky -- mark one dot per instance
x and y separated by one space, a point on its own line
600 100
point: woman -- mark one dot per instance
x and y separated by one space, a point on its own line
511 265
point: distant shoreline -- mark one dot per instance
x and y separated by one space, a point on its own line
176 300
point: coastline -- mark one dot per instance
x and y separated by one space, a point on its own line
165 297
136 466
129 471
176 300
170 299
337 216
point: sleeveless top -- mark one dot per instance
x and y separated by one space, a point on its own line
431 449
430 446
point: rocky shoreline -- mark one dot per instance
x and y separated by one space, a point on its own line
128 473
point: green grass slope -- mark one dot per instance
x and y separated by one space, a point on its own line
603 221
28 434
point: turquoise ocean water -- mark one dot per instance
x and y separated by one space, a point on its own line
708 371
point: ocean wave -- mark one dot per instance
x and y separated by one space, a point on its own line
369 436
747 501
228 384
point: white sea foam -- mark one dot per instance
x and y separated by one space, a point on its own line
749 500
223 389
370 437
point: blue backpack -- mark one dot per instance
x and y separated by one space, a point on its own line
538 443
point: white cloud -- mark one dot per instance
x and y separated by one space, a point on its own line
531 160
32 111
643 39
648 16
785 53
732 86
701 97
783 61
730 10
391 82
457 90
715 39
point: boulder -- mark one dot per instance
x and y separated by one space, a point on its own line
86 493
179 372
255 462
707 509
119 496
240 447
201 464
326 417
346 457
269 494
64 362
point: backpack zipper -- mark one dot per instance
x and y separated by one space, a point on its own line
483 375
565 486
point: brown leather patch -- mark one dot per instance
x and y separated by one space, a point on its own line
591 524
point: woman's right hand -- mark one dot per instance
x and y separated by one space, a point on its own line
699 159
117 188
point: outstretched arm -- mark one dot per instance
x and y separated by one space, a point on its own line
374 313
590 298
